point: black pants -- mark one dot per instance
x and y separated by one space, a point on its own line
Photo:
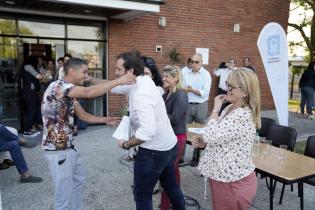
32 110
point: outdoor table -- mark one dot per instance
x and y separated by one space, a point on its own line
296 168
189 137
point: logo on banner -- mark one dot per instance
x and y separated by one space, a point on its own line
273 47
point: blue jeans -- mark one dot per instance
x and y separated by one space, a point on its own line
307 98
151 166
9 142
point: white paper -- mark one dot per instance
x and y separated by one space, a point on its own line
196 130
122 132
205 55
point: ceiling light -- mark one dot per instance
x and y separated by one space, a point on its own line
87 11
10 2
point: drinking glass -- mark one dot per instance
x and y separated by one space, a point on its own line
267 146
255 148
282 152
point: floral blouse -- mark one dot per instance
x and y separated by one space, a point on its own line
227 157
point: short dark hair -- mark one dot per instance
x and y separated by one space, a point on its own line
222 65
150 64
188 60
60 59
31 60
74 63
133 61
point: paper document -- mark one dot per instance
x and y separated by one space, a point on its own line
196 130
122 132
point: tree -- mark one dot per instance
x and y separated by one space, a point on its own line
309 39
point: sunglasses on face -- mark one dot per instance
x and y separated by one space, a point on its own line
231 87
194 62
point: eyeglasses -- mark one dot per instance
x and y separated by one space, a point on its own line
231 87
194 62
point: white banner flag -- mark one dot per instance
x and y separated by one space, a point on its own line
273 48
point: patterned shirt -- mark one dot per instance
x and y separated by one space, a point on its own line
227 157
57 113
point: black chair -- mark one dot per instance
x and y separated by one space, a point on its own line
266 124
310 152
282 135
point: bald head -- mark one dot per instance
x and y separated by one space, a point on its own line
196 61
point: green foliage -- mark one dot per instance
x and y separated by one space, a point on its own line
124 110
297 70
309 37
174 55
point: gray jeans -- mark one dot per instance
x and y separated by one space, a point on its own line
69 178
197 113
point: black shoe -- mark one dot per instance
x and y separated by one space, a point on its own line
28 144
4 166
9 162
194 163
31 179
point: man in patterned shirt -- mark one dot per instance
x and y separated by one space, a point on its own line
58 109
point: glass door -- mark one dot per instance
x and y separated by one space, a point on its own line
92 52
9 92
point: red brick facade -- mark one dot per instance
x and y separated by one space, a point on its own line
199 23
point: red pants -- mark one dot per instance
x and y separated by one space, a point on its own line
181 141
236 195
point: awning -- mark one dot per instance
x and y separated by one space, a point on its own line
83 9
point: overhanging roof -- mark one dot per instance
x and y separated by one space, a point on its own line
92 9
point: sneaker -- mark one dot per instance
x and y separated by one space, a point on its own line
31 179
28 134
35 131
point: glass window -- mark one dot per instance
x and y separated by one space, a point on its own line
7 26
29 28
85 32
92 52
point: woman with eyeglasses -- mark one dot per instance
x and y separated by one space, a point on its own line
228 140
176 101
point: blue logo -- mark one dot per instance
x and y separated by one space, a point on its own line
273 45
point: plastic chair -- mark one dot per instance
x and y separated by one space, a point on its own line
266 124
282 135
310 152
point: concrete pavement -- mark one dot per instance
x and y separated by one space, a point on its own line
109 182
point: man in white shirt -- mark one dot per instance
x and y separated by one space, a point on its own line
197 82
153 133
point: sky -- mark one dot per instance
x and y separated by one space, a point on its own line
297 16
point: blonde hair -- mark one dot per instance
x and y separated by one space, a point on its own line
174 71
247 80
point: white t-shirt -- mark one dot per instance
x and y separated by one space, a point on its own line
223 74
148 114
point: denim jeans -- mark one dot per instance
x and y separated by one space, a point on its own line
307 98
9 142
151 166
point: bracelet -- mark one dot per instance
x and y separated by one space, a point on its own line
124 147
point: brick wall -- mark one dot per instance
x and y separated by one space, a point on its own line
199 23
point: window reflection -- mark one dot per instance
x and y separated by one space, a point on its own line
41 29
84 32
92 52
7 26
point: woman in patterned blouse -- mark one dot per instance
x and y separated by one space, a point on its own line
228 140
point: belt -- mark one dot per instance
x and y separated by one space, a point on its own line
194 103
